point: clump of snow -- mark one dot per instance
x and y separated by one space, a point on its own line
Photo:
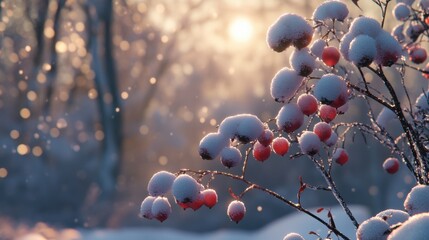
374 228
285 84
331 10
161 209
362 50
332 90
249 128
230 157
302 61
236 210
422 102
345 45
307 103
385 117
290 118
393 216
289 29
415 228
211 145
317 47
146 207
388 49
332 140
417 200
293 236
160 183
401 11
309 143
398 33
228 127
366 26
185 188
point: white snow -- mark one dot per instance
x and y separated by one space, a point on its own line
302 61
236 210
293 236
285 84
416 228
212 144
146 207
401 11
373 229
331 10
332 140
345 45
249 128
185 188
422 102
289 29
160 183
365 25
385 117
393 216
362 50
343 109
317 48
161 208
230 157
417 200
289 118
228 127
309 143
388 49
329 88
398 33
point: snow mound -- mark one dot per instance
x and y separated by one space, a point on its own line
331 10
160 183
366 26
393 216
185 188
362 50
417 200
302 62
374 228
415 228
285 84
244 127
211 145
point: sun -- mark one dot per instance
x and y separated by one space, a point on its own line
240 30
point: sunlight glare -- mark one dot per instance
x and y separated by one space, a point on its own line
240 30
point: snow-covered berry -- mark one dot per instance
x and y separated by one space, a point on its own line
391 165
249 128
417 200
161 209
266 137
289 29
211 145
293 236
340 156
366 26
388 49
280 146
307 103
330 56
331 89
331 10
327 113
210 197
185 188
345 45
362 50
146 207
374 228
289 118
160 183
309 143
236 211
417 54
415 228
401 11
230 157
393 216
285 84
332 140
317 47
261 152
302 62
322 130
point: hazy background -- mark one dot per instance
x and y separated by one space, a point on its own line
98 95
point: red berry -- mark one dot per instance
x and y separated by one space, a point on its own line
183 205
327 113
280 146
417 54
427 20
236 210
391 165
330 56
323 130
197 203
266 137
210 197
307 103
340 156
260 152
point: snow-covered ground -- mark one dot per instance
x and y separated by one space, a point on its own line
296 222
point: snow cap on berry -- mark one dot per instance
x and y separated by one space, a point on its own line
391 165
365 25
249 128
289 118
302 61
401 11
388 49
332 90
160 183
285 84
374 228
293 236
331 10
211 145
309 143
230 157
362 50
185 188
393 216
236 210
317 47
289 29
415 228
417 200
146 207
161 209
